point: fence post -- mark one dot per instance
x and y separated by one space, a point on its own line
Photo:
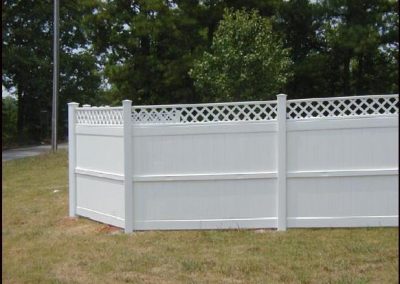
281 204
72 158
128 186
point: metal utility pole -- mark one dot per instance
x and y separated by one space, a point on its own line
55 75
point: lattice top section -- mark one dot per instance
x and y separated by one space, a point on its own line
200 113
243 111
341 107
99 116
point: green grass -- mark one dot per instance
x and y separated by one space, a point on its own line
42 245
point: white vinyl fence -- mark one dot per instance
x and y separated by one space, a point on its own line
327 162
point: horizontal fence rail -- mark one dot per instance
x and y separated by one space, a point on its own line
319 162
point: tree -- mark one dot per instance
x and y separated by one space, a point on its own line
247 60
147 48
27 56
340 47
298 22
363 41
9 120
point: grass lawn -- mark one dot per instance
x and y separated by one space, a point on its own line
42 245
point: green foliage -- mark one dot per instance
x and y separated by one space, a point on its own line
341 47
247 60
152 51
147 48
9 121
363 40
27 57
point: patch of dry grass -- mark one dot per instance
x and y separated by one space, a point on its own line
42 245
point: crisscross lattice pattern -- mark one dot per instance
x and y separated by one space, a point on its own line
248 111
339 107
156 115
99 116
252 111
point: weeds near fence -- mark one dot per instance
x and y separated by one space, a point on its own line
42 245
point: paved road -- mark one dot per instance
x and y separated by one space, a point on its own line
19 153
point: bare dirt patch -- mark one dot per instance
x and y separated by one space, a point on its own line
108 229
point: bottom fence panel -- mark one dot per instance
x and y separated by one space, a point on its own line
341 222
101 199
205 204
357 201
213 224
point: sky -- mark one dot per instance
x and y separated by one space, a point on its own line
5 93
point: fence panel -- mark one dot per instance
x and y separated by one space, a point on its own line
204 176
343 172
99 167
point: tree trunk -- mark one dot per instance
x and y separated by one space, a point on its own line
20 117
210 33
360 72
346 74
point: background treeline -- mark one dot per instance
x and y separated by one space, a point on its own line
147 51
